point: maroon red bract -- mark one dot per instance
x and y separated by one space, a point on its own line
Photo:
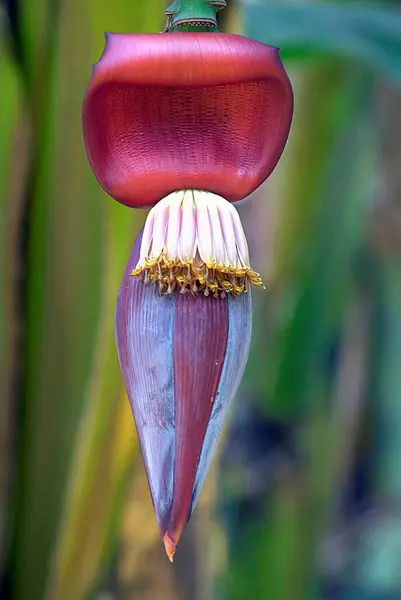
185 111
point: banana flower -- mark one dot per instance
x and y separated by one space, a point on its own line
185 124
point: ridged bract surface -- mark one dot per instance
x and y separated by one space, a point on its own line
144 326
185 111
182 359
200 341
237 351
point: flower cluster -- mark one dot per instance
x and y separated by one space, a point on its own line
193 242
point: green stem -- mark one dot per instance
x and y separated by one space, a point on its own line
193 15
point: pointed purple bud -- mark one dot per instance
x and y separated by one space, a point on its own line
182 357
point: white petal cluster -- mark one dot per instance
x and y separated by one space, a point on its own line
194 240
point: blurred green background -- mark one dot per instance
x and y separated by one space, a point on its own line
304 502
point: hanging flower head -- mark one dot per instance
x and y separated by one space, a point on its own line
185 123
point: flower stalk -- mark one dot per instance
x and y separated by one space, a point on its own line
193 15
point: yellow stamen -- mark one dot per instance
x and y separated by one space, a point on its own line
201 250
192 278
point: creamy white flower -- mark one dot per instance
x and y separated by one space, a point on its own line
193 240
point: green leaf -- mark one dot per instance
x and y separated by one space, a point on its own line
341 197
367 33
14 154
70 474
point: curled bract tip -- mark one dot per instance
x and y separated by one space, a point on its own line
169 546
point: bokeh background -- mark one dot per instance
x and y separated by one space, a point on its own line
303 502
